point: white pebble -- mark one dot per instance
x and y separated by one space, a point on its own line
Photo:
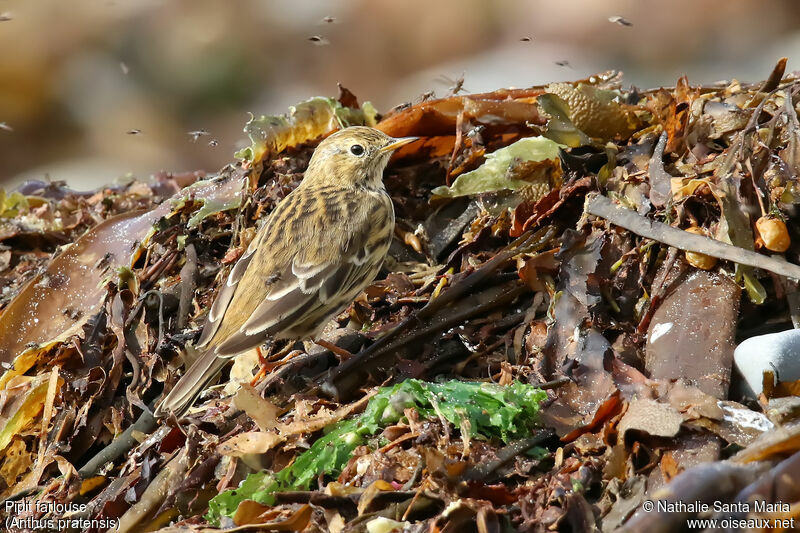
778 352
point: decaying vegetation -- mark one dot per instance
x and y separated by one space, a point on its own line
550 343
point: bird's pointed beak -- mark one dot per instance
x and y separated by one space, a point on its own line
397 143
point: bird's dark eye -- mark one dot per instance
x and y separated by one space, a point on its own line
357 149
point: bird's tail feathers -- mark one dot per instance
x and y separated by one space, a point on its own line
196 378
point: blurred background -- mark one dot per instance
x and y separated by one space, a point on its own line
92 91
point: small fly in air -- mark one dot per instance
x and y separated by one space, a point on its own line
5 126
526 39
456 85
5 17
328 20
318 40
196 134
563 63
133 132
213 142
622 21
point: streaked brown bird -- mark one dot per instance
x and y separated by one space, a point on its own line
314 253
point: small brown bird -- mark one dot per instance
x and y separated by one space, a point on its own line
315 252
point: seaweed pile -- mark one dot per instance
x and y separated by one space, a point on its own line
548 347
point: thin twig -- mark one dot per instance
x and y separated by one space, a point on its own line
506 454
553 384
601 206
456 145
188 285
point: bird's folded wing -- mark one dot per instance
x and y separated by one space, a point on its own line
226 293
300 270
303 291
306 296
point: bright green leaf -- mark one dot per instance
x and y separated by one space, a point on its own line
497 172
258 486
210 204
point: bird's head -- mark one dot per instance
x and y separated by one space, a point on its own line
353 156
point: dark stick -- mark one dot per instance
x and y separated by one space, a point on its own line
146 424
528 242
506 454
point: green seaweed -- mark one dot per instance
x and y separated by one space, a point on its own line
484 410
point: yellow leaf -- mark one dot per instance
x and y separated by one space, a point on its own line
30 409
17 461
92 483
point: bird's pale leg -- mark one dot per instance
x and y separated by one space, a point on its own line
343 354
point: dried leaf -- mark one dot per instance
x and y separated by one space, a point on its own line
249 443
28 411
596 111
304 122
651 417
72 281
263 412
250 512
560 127
17 460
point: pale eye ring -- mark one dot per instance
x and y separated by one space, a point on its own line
357 149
